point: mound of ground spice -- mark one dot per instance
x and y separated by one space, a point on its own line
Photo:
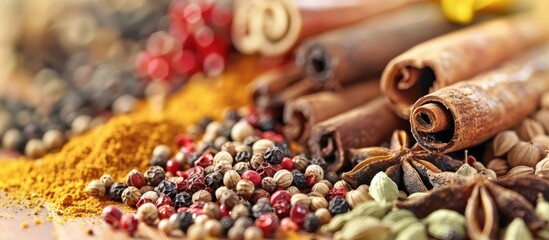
124 143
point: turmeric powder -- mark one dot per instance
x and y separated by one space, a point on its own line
124 143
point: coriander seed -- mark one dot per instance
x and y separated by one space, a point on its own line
147 213
131 196
107 180
240 211
300 163
284 178
253 233
318 203
293 190
223 156
320 188
324 215
223 166
269 184
256 160
231 178
261 146
212 228
241 130
300 198
162 151
211 210
229 147
245 189
96 188
150 195
202 195
316 171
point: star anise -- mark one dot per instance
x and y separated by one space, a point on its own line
487 204
411 168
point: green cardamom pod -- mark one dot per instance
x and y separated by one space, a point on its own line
517 230
397 215
416 231
402 224
365 228
383 189
466 170
365 209
543 234
445 224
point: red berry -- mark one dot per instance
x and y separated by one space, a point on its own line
298 213
268 223
336 192
192 13
277 167
287 164
163 200
287 224
204 36
280 195
158 68
129 223
282 209
213 64
184 62
165 211
312 179
258 194
173 166
224 211
204 161
135 179
112 215
265 170
161 43
183 139
252 176
142 62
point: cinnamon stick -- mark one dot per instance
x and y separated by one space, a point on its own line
301 114
470 112
273 27
364 49
458 56
364 126
274 105
272 82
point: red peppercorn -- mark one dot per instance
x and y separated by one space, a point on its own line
143 201
298 213
183 139
273 136
286 224
224 211
280 195
312 179
173 166
205 160
163 200
277 167
135 179
268 223
165 211
258 194
266 170
336 192
129 223
287 164
142 63
282 209
112 215
251 176
182 174
158 68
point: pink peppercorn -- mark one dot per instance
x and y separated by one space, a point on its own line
204 161
163 200
282 208
143 201
112 215
135 179
268 223
252 176
129 223
165 211
298 213
287 164
335 192
173 166
280 195
286 224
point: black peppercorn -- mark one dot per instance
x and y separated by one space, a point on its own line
154 175
332 177
274 155
214 180
285 147
243 156
300 181
116 191
226 224
311 223
338 205
261 207
241 167
184 220
226 130
183 199
204 122
166 187
158 161
320 162
193 157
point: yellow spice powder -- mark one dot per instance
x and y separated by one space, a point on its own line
124 143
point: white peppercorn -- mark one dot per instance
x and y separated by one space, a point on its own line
107 180
130 196
324 215
253 233
240 210
242 148
245 189
300 163
147 213
96 188
212 228
162 151
165 226
293 190
230 148
230 179
356 197
300 198
241 130
202 195
342 184
211 210
261 146
223 156
321 188
256 160
318 203
328 183
283 178
214 128
220 190
222 167
53 139
268 184
150 195
315 170
35 148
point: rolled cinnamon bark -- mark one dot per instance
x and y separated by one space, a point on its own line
364 126
273 27
264 87
301 114
274 105
364 49
458 56
469 112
